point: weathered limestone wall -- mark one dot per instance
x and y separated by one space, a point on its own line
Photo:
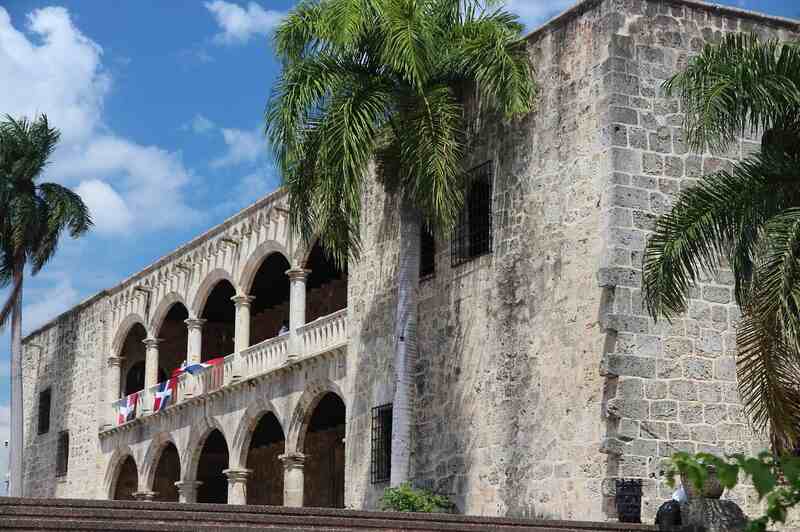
66 357
675 383
508 389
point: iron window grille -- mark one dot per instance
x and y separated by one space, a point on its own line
43 424
62 454
427 258
381 463
472 236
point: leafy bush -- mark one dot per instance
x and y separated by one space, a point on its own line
775 479
404 498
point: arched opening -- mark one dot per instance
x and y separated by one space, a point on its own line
265 484
323 445
168 472
174 339
269 311
213 461
220 315
133 357
127 481
326 287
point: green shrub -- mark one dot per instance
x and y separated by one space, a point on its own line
404 498
776 479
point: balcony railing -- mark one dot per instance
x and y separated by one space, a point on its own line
321 335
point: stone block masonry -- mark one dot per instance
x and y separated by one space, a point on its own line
541 379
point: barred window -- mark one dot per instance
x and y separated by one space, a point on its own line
427 259
43 425
62 454
472 236
381 443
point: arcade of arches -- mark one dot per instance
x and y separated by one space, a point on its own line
230 322
320 461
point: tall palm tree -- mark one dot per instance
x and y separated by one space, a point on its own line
385 81
32 218
746 218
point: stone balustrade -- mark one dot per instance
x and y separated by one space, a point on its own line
322 335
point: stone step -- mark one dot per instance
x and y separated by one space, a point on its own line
75 514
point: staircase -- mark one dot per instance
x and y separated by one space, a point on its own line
123 516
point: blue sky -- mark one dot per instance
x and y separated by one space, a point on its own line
160 107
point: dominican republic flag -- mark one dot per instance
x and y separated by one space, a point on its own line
198 367
127 409
165 395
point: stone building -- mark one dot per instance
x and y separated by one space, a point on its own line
540 380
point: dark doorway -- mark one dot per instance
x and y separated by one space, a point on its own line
265 485
133 360
323 485
213 461
326 287
220 314
168 473
127 481
174 339
270 308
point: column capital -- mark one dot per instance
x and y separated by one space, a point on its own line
292 460
297 274
194 323
145 495
237 475
242 300
114 361
188 484
151 342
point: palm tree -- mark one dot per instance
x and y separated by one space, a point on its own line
746 218
32 218
385 81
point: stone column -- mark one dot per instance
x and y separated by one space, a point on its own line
297 308
187 490
113 372
293 478
194 346
241 335
237 485
151 362
144 495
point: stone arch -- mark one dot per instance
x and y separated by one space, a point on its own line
304 409
153 455
303 252
124 328
259 255
240 444
190 458
163 308
118 458
204 290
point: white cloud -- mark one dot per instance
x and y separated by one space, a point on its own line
199 124
534 13
239 24
52 297
59 72
243 147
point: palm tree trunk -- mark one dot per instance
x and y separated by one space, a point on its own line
405 357
17 439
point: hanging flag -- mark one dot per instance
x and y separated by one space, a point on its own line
198 367
127 408
165 394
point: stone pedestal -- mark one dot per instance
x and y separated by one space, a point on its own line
237 485
144 495
713 515
293 478
187 490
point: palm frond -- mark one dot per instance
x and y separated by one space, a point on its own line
720 218
737 86
8 306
